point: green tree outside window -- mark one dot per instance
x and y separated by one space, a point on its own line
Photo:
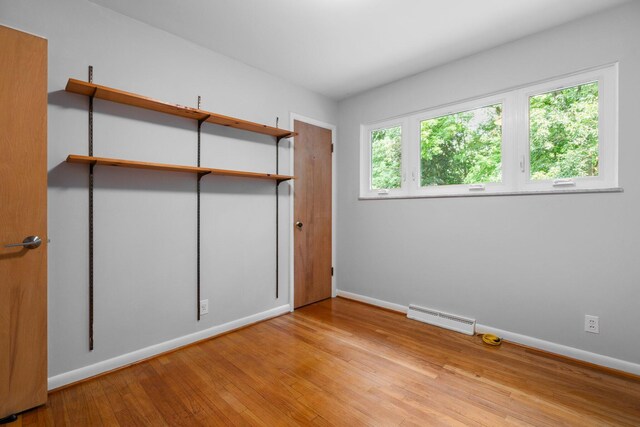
563 133
462 148
386 156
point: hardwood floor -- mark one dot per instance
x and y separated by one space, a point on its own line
342 363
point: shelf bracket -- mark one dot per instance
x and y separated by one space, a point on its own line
289 135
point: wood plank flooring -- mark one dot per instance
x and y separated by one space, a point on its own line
342 363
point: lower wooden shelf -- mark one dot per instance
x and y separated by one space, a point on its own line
75 158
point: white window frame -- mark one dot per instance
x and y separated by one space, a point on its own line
414 186
515 143
365 159
607 132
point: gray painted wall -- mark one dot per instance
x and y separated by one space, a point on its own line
533 265
145 221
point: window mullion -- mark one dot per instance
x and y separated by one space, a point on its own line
411 155
521 139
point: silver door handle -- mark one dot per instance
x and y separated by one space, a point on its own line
30 242
299 225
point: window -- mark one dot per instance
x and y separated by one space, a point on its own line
383 155
462 148
553 136
563 133
570 134
386 155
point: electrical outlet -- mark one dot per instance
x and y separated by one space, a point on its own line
592 324
204 306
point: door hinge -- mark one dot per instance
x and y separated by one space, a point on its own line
331 271
332 148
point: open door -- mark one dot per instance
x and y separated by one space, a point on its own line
312 214
23 221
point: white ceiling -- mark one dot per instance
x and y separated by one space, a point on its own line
342 47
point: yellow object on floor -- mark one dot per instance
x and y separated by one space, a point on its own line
491 339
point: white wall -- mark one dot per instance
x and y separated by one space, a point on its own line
534 265
145 221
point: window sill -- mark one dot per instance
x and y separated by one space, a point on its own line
496 194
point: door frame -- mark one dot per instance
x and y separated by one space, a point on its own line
299 117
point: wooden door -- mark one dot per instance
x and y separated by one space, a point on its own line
312 214
23 213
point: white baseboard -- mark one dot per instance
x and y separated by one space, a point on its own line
563 350
373 301
572 352
144 353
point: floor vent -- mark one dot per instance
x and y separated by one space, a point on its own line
444 320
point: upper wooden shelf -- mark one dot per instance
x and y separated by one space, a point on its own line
75 158
122 97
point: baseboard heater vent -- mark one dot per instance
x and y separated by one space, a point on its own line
444 320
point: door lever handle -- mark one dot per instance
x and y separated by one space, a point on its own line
30 242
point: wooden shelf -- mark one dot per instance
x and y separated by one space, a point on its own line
122 97
75 158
